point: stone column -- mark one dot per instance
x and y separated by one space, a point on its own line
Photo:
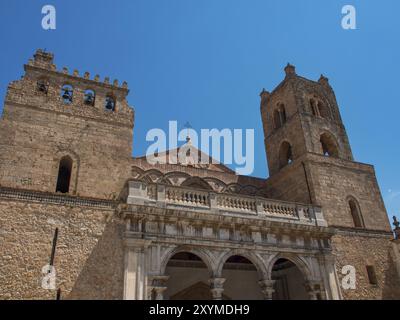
217 287
158 284
135 268
267 288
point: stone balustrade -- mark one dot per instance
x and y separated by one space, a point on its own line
141 193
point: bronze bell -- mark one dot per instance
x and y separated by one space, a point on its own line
89 98
110 104
42 87
67 95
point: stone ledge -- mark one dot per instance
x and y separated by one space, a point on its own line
53 198
361 232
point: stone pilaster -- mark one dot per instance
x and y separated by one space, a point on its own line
333 281
135 268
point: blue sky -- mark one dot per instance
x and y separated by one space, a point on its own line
206 62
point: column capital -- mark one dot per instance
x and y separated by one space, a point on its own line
159 292
136 243
267 288
217 287
158 280
157 284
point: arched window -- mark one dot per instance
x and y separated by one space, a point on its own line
329 145
279 116
285 154
64 175
89 97
110 103
319 108
356 214
67 93
42 86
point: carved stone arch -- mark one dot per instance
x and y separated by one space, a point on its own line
136 172
248 190
175 178
216 184
59 154
254 258
232 188
204 254
299 261
196 182
328 141
262 193
314 91
152 176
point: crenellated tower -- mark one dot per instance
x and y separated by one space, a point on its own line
64 132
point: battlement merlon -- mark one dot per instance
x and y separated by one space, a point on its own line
44 87
45 61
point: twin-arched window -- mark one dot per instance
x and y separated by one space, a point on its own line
319 108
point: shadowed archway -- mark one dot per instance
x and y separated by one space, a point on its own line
188 278
290 283
241 279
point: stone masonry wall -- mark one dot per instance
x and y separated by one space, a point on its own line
334 180
360 249
34 140
89 254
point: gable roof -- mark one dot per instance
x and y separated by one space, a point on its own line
188 155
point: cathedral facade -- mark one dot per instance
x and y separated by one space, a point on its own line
81 217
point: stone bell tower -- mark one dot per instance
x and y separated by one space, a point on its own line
309 155
302 116
310 160
66 133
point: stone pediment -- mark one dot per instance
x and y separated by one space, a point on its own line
188 156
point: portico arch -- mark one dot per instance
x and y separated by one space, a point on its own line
253 258
291 277
203 254
242 272
188 275
297 260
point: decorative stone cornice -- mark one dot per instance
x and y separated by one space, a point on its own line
53 198
167 200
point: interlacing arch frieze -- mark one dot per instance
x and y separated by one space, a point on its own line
178 178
